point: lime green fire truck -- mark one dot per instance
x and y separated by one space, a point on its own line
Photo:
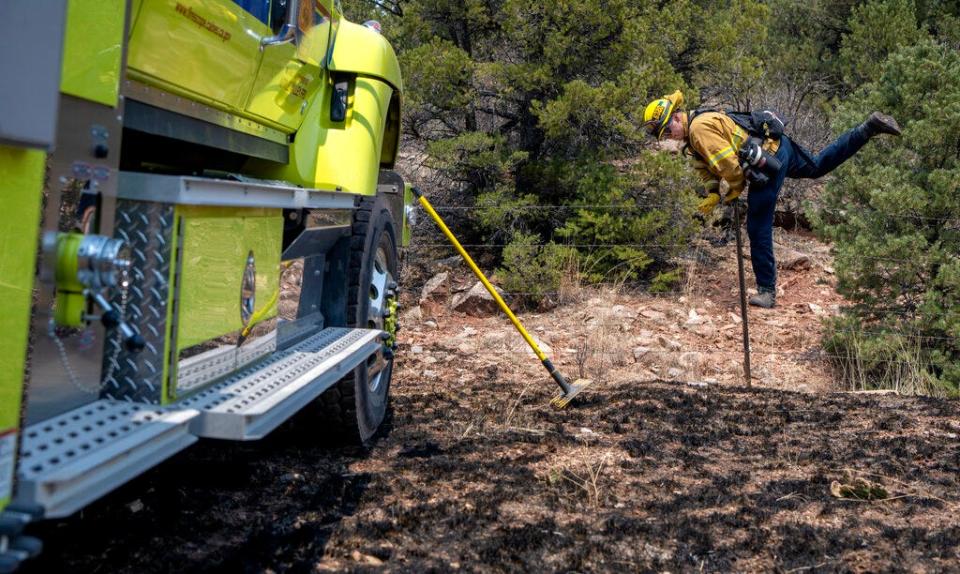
200 235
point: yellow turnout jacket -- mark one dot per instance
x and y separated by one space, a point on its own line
716 139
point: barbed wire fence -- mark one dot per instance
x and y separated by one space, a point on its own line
695 252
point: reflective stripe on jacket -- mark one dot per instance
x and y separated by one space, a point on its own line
716 139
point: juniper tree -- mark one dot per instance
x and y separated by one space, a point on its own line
893 215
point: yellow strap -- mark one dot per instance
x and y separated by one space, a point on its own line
261 314
476 271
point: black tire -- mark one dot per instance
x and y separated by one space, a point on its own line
354 408
29 545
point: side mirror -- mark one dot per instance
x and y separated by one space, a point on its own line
288 32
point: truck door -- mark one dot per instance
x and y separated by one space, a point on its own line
205 50
290 73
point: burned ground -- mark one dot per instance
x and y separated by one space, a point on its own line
637 476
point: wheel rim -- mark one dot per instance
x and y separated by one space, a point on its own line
380 279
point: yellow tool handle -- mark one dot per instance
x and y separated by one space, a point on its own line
476 270
260 315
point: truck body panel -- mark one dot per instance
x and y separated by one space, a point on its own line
189 275
91 62
21 176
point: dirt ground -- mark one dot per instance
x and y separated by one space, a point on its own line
667 464
638 476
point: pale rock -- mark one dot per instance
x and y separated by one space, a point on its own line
467 348
435 293
674 373
735 318
693 318
640 352
467 332
829 270
430 359
707 331
431 323
477 301
595 302
414 315
669 344
793 260
622 312
416 349
436 285
817 309
431 374
492 338
653 315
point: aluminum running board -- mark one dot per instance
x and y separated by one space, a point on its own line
73 459
69 461
252 402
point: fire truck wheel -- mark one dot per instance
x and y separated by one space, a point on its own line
354 408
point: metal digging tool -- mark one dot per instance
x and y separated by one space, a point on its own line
567 390
743 294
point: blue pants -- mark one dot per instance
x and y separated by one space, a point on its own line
762 201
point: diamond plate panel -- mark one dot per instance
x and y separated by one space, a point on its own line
147 228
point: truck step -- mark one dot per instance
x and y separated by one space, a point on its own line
77 457
252 402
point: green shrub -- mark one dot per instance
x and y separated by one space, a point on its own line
893 214
877 29
630 221
534 271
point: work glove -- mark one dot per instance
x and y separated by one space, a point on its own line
731 197
707 205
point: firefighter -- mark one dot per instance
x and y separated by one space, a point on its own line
719 146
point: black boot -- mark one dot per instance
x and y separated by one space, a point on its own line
878 124
766 298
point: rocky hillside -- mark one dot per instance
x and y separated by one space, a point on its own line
453 328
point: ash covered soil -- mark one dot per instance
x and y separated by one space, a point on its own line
637 476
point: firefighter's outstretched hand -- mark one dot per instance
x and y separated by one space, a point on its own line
709 203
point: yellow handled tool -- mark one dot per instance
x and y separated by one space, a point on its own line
567 390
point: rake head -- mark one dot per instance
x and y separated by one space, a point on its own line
563 398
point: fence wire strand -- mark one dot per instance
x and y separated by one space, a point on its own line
612 207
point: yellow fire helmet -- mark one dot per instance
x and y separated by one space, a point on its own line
658 112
